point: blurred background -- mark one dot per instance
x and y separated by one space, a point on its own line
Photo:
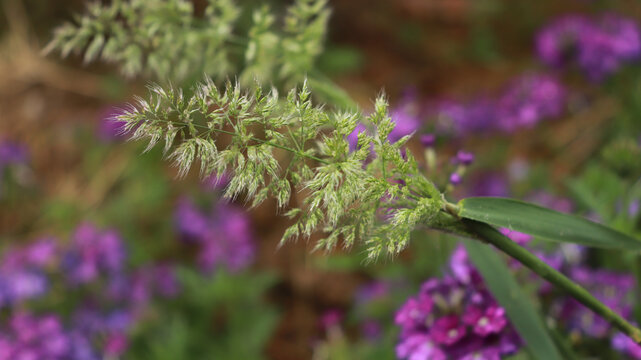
105 253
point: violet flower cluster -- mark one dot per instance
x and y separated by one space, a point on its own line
614 289
223 236
112 298
455 317
598 45
525 102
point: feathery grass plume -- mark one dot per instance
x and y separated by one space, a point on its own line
374 193
167 39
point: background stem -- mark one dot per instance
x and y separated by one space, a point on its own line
489 234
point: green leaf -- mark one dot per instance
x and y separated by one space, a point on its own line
508 293
544 223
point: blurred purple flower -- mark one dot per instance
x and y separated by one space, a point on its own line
455 179
331 318
528 100
525 102
633 208
372 291
600 46
216 182
550 201
627 346
93 253
405 123
30 337
464 158
352 138
461 118
109 127
613 289
12 153
419 347
224 235
428 140
489 184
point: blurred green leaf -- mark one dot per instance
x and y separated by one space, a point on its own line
544 223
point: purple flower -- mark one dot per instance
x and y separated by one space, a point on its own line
558 41
94 253
633 208
428 140
216 182
109 127
485 322
464 158
548 200
190 222
528 100
414 313
224 236
625 345
489 184
460 118
352 138
12 153
600 46
455 179
22 274
455 318
419 347
447 330
31 337
405 123
372 291
614 289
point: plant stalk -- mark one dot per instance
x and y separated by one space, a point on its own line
489 234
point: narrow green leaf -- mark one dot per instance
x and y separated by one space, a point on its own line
544 223
508 293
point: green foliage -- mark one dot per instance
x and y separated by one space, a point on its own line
544 223
167 40
623 156
372 193
218 316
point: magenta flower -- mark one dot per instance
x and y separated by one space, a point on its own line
414 313
447 330
485 321
419 347
455 318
